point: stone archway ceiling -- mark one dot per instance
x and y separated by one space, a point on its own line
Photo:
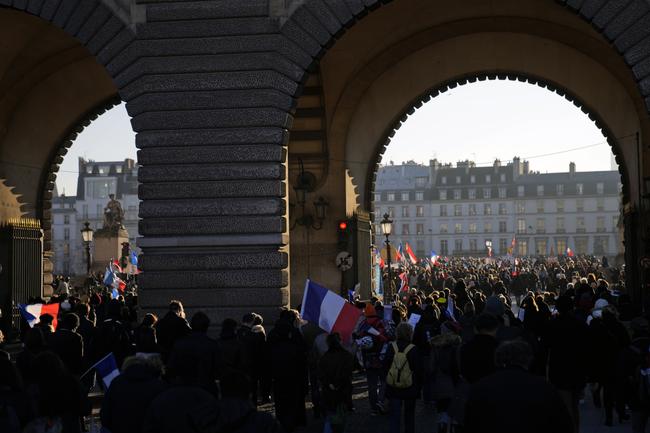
472 78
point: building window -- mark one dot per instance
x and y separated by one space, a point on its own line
421 181
614 222
502 209
541 225
405 211
487 227
488 178
458 228
581 245
472 227
66 219
471 194
443 194
419 229
521 226
405 196
580 225
580 205
502 192
378 197
600 204
457 179
487 192
89 169
600 188
391 212
99 210
503 227
503 177
540 247
522 247
540 206
444 247
559 225
443 210
472 209
458 245
419 247
561 246
600 224
503 246
419 211
601 245
444 228
472 245
419 195
559 189
66 233
405 229
472 179
458 210
559 205
521 206
540 190
456 194
390 196
520 191
85 211
443 180
487 209
579 188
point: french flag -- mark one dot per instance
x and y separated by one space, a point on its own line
404 285
412 256
330 311
107 369
32 313
398 254
434 258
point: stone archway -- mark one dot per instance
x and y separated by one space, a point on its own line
372 66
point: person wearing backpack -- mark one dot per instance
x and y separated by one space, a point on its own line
403 378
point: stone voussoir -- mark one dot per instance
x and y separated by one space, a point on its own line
211 207
209 154
197 172
224 118
233 259
271 278
213 225
233 136
240 188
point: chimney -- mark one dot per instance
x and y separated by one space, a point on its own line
526 167
433 171
516 167
572 168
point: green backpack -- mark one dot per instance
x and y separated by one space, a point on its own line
400 374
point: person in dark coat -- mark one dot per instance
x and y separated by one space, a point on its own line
126 401
34 344
426 328
171 327
477 355
253 340
198 354
406 397
112 335
287 358
335 376
145 338
533 405
13 399
231 350
86 326
236 413
57 393
68 344
565 338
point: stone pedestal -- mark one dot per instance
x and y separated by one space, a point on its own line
107 247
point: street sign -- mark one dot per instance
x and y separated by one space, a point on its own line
344 261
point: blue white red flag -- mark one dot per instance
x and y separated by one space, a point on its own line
328 310
411 254
399 256
32 313
434 258
107 369
569 252
404 285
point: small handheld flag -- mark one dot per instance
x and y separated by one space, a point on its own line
434 258
107 369
32 313
410 253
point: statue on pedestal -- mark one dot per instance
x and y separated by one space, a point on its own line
113 214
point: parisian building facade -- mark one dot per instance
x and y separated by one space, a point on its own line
96 181
461 209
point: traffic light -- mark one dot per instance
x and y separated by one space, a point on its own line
344 228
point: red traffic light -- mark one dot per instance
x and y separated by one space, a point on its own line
343 225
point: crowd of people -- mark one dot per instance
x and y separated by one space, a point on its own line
486 345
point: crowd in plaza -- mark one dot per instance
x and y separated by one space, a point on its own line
450 339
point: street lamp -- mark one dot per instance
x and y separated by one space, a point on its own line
87 236
386 229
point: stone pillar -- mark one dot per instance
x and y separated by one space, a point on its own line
210 90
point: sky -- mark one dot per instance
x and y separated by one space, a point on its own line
479 121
